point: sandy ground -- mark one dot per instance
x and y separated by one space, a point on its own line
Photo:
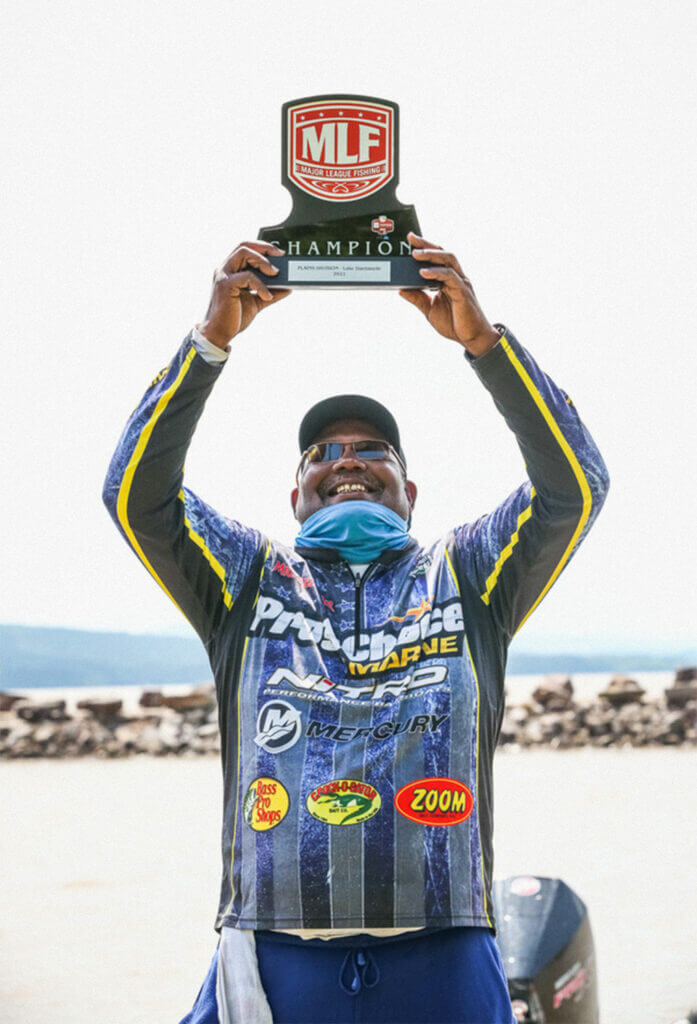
110 878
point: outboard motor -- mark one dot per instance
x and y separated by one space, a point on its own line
546 945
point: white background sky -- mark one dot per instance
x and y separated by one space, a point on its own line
551 145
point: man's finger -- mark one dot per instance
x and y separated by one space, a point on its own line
418 242
447 275
417 298
440 256
244 257
265 248
246 279
277 294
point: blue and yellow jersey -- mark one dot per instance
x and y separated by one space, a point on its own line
358 716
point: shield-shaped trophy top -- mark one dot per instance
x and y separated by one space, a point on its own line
340 149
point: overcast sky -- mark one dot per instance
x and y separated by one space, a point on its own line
550 145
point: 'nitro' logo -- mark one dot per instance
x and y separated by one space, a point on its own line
436 801
340 150
265 805
315 682
343 802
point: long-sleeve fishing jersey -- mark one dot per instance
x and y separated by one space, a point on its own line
358 717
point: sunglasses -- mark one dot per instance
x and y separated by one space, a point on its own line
366 451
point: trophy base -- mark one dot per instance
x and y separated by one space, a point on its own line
347 272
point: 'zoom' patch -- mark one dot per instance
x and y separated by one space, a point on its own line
435 801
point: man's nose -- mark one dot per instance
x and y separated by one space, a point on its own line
348 458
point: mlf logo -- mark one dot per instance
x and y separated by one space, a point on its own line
340 150
278 726
382 225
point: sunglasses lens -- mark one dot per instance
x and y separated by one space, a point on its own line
330 451
371 449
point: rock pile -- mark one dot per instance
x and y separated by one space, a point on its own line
187 725
620 716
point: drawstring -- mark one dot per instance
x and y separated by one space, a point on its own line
364 972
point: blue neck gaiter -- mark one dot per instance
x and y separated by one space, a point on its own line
358 530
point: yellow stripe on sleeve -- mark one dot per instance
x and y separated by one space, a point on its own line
207 554
476 752
125 489
476 780
571 457
507 551
239 744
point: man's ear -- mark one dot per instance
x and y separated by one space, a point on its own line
410 488
294 498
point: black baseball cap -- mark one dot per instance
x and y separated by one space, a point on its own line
349 407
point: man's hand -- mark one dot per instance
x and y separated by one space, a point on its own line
453 310
238 293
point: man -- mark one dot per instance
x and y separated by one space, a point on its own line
360 676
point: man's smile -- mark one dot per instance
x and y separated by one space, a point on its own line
342 489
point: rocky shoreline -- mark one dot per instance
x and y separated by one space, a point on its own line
187 725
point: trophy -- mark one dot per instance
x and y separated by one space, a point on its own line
347 229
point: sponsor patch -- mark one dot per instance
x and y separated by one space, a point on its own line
266 804
279 726
520 1009
424 632
286 570
427 675
571 984
423 563
425 606
383 731
343 802
435 801
525 885
382 225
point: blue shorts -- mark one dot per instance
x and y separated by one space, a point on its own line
451 976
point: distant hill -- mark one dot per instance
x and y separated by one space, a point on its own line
40 656
529 664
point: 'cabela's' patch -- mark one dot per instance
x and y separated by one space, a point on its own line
343 802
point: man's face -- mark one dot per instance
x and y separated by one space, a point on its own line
322 484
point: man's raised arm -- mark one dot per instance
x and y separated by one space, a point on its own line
513 556
199 558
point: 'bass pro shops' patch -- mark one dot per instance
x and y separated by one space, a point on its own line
266 804
343 802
